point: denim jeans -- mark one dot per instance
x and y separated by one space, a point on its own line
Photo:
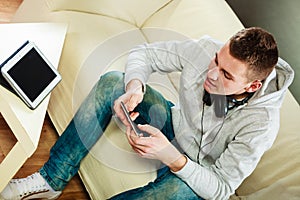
89 123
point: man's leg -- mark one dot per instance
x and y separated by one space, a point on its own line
166 187
81 134
155 110
90 122
83 131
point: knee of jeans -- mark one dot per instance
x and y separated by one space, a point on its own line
111 78
111 82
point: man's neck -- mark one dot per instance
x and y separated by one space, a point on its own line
240 97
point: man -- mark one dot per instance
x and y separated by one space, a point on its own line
226 118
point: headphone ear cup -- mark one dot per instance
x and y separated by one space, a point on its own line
221 105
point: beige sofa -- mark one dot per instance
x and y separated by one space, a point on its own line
100 34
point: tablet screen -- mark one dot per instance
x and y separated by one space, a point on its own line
34 66
30 74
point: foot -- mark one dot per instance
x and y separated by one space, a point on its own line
31 187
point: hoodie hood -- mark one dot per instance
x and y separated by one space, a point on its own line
275 86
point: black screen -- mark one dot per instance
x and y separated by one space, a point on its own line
32 74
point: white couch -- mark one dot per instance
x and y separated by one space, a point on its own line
100 34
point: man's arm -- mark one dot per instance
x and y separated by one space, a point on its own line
178 164
163 57
238 160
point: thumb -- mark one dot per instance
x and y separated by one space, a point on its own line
149 129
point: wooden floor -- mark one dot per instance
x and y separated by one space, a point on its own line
75 189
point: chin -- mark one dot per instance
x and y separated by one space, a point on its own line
210 90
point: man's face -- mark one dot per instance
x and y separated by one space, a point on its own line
226 75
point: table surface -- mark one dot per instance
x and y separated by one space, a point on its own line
26 124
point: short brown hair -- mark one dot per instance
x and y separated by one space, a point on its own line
257 48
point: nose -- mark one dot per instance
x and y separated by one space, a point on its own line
213 73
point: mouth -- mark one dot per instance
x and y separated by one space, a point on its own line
208 83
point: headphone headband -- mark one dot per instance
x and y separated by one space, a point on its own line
223 103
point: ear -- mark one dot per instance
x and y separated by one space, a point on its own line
254 86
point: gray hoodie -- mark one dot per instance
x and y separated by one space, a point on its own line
221 152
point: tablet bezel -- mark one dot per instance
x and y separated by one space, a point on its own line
14 59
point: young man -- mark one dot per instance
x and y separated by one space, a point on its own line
226 118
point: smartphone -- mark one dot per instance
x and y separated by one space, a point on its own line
134 127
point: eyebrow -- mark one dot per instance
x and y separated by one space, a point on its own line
222 69
216 59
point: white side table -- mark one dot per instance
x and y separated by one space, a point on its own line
26 124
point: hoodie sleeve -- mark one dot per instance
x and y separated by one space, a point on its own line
163 57
160 57
241 156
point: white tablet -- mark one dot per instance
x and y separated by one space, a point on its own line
30 74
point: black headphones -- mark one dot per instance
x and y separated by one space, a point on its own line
223 103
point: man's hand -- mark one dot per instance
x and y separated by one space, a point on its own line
157 146
133 96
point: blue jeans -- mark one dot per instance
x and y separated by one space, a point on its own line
89 123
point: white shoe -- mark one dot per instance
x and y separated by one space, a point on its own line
31 187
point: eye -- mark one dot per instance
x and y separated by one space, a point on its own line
226 75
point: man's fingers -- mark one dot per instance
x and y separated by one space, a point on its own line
149 129
134 115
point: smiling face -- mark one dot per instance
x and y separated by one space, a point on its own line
228 76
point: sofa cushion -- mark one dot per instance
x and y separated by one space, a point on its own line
132 11
197 18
